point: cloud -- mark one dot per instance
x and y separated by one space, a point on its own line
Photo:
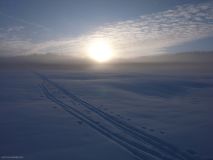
151 34
147 34
15 29
28 23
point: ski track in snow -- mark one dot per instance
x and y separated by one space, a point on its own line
140 144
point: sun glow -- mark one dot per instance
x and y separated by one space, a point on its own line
100 50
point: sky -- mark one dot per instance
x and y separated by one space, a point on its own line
133 27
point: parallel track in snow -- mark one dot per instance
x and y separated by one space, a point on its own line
142 145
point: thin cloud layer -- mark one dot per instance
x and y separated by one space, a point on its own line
151 34
148 34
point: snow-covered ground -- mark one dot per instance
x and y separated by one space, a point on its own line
111 114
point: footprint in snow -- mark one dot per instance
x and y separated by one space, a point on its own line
80 122
152 130
192 152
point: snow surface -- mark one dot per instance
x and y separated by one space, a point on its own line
98 115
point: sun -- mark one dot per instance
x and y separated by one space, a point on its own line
100 50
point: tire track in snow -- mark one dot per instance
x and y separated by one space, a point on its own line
139 143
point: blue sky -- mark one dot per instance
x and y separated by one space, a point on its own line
134 27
